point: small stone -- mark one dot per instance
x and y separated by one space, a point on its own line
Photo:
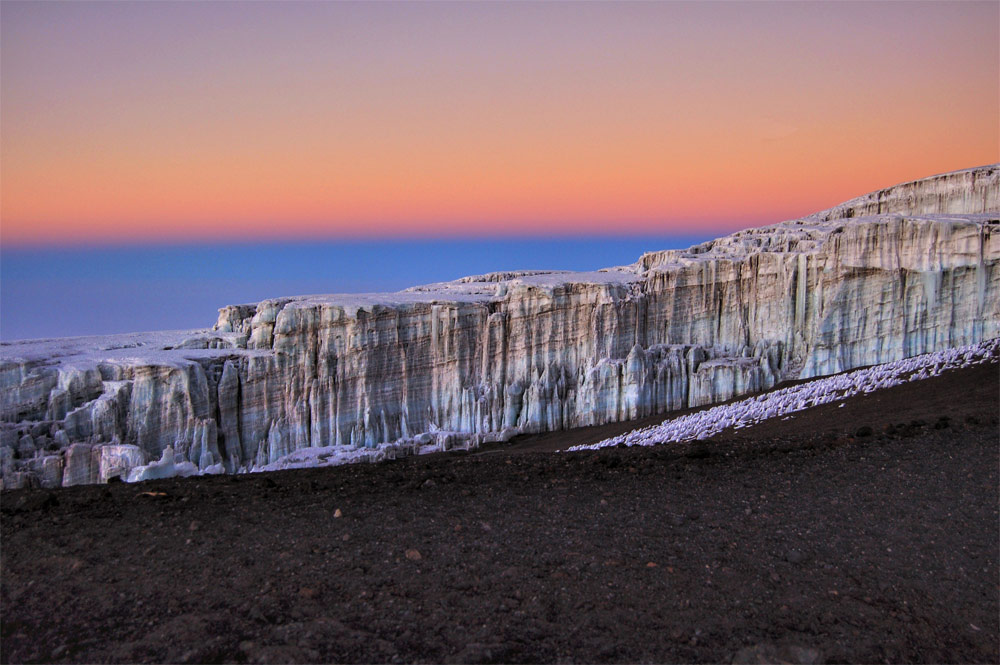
194 526
795 556
651 564
337 513
413 555
771 653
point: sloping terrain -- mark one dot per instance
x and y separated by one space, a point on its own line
862 533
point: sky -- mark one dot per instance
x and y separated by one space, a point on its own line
71 291
198 122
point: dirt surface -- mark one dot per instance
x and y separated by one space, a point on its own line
867 533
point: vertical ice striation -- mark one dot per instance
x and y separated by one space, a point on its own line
908 270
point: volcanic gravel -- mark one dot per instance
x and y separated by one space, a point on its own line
862 533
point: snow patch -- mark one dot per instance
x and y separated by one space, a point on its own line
786 401
166 467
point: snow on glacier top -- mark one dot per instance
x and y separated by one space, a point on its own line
796 236
159 347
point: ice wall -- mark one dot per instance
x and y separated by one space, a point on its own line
959 192
908 270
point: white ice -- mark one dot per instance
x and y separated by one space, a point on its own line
165 467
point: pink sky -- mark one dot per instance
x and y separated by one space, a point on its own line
185 121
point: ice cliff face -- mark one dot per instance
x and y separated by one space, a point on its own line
908 270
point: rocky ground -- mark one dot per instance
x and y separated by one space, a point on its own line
867 533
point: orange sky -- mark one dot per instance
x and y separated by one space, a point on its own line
187 121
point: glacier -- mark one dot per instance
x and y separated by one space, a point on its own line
908 270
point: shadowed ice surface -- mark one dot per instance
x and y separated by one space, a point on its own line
59 292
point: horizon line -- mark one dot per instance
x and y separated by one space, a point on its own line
217 240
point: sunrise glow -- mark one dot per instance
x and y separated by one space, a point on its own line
166 121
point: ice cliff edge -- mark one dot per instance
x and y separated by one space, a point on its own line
903 271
